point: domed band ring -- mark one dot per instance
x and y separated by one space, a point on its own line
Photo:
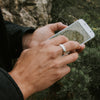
63 48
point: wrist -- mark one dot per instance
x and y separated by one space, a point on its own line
26 40
22 83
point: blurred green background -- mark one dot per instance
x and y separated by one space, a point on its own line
83 83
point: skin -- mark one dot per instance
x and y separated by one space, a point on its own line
41 64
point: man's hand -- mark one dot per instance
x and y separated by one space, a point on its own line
41 34
42 65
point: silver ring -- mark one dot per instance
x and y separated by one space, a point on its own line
63 47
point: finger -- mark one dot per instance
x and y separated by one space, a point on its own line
57 40
57 26
64 60
61 72
58 51
71 45
82 47
65 70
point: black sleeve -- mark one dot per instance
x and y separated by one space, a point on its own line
8 88
15 34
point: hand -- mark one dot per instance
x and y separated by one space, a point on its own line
42 65
41 34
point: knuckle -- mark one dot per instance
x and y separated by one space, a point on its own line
73 44
59 23
25 51
56 64
68 69
64 38
77 43
52 65
33 44
54 55
51 52
48 25
42 44
58 75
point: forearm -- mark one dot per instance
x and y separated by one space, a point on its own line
26 40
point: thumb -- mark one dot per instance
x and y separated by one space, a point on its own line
57 26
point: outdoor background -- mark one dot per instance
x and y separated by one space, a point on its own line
83 82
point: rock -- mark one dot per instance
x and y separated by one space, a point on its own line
32 13
7 15
27 19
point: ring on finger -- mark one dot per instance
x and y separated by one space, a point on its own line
65 52
63 47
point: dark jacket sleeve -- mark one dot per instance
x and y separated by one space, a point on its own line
8 88
15 34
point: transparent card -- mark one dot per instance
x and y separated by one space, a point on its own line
74 32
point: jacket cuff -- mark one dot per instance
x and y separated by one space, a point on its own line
15 34
24 30
8 88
